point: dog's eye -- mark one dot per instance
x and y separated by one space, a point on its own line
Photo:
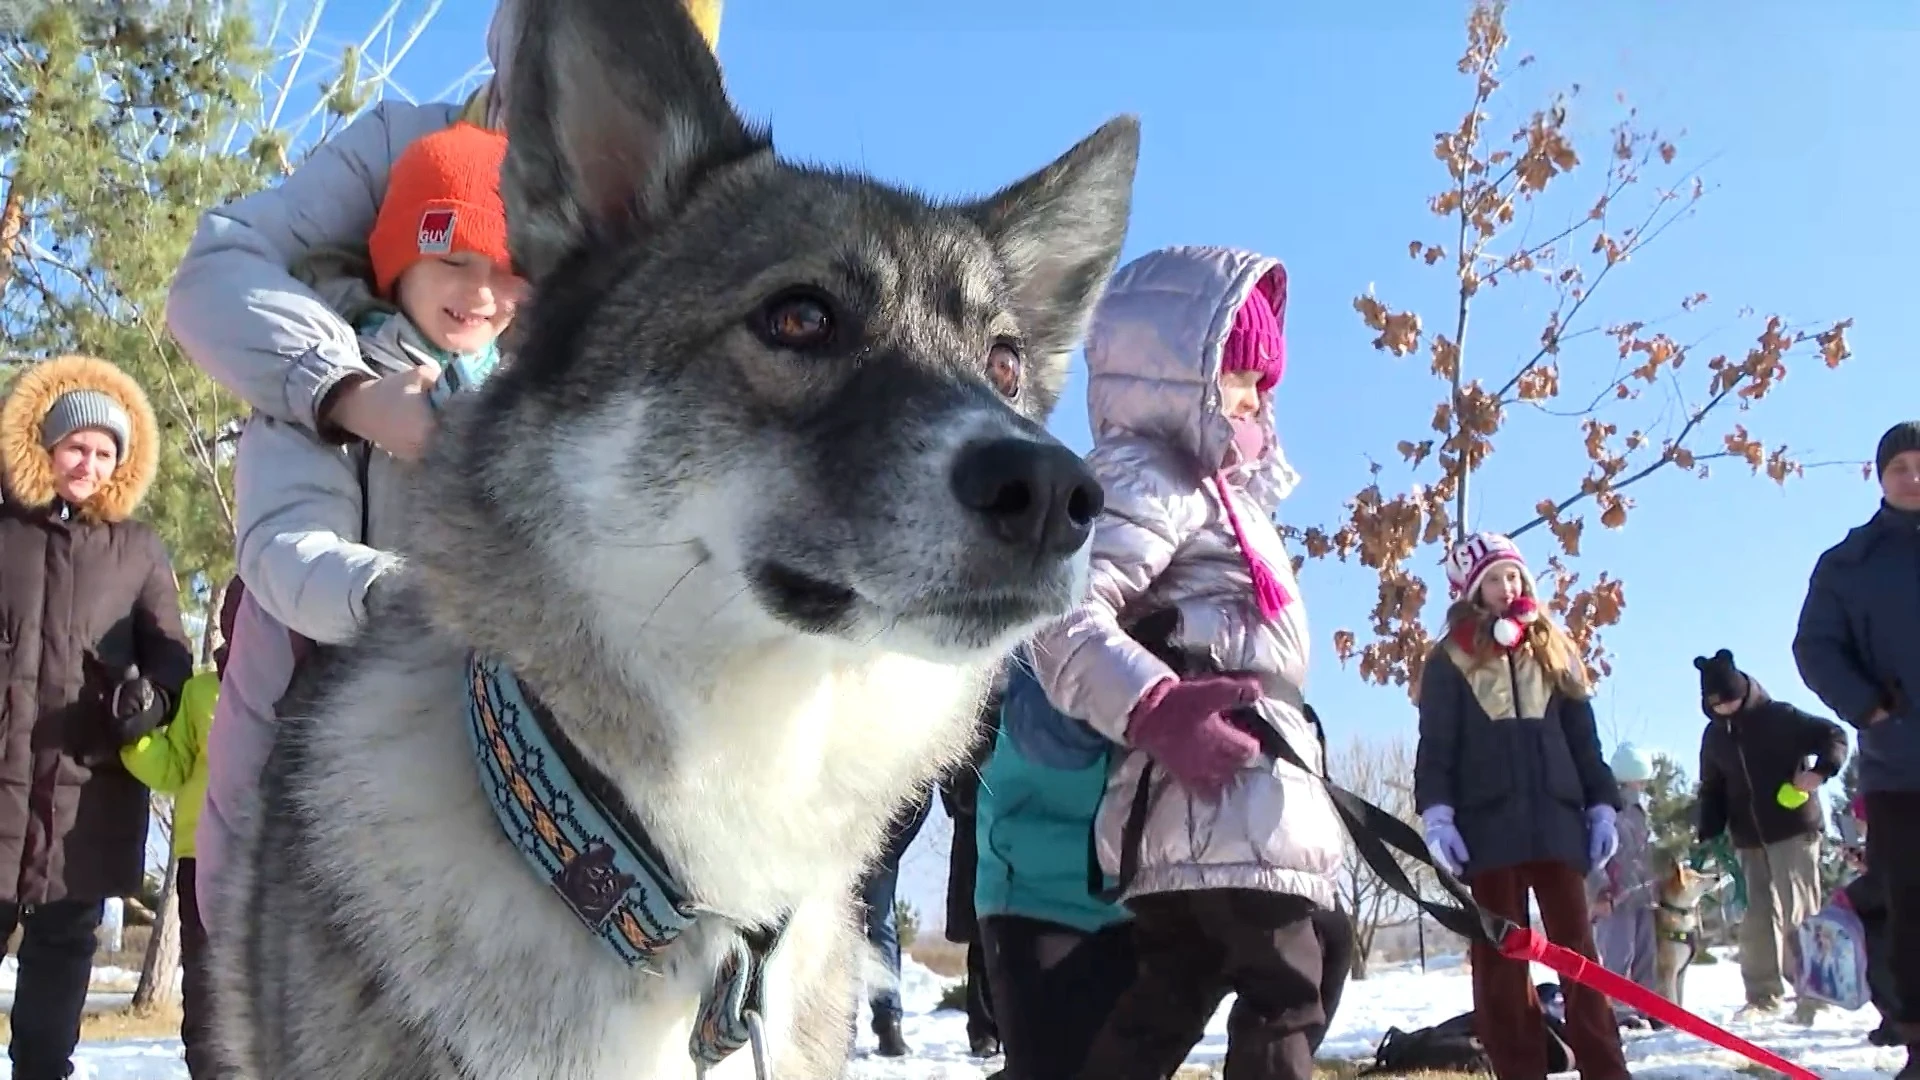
801 321
1005 369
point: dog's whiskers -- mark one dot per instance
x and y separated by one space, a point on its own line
677 582
627 545
724 604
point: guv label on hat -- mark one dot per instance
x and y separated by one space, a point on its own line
436 232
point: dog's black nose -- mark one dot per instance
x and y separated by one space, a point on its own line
1038 496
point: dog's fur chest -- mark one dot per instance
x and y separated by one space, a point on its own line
429 887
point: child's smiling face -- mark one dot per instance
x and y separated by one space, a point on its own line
462 302
1502 586
1240 394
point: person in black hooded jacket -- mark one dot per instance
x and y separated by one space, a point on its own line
1761 763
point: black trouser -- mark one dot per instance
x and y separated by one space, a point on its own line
50 994
1197 947
1335 929
1868 896
1893 849
196 979
1053 987
980 1022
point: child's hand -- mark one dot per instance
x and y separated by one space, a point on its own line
1603 838
1602 907
1179 724
391 412
1444 842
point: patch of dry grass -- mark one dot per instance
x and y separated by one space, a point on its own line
133 949
162 1022
1329 1070
940 956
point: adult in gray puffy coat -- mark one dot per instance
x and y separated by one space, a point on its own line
276 342
249 307
1858 648
1238 850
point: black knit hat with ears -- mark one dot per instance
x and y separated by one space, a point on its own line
1720 678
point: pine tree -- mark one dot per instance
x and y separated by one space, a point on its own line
115 122
1674 807
1834 870
1840 811
115 126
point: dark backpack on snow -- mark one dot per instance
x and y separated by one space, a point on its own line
1451 1046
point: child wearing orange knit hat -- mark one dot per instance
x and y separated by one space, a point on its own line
439 243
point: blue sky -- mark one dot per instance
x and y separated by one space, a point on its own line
1305 131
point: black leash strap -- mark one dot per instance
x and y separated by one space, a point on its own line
1376 834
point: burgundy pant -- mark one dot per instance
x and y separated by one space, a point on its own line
1506 1010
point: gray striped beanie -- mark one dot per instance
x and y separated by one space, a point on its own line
78 409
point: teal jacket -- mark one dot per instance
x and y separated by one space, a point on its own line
1034 826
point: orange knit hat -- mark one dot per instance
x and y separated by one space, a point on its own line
443 196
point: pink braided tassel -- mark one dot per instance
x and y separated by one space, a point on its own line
1267 590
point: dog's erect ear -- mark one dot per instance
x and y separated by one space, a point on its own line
615 111
1700 663
1725 656
1059 233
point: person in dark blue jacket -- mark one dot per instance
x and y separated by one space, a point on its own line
1858 648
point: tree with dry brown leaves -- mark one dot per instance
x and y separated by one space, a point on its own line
1491 202
1381 772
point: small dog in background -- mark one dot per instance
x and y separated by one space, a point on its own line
1676 925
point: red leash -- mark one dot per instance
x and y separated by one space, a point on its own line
1524 944
1377 834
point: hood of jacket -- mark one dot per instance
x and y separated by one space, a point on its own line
1153 357
27 468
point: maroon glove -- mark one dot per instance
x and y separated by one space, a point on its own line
1179 723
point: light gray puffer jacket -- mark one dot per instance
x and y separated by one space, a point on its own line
236 308
300 502
1164 541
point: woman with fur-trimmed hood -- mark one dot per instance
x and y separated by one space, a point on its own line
1516 798
92 656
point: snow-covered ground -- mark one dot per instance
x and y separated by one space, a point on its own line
1834 1047
105 977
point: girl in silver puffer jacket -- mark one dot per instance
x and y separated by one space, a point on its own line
1236 856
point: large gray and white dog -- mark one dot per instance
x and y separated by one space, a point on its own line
759 504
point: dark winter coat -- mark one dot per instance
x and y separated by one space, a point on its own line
960 796
1516 756
85 594
1858 645
1746 757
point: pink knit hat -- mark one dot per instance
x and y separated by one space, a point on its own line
1258 340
